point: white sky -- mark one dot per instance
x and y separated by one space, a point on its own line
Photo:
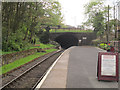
73 11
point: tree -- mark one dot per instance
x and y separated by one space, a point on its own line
21 22
52 14
81 27
97 16
98 22
12 16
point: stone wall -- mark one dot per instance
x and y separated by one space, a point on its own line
86 38
8 58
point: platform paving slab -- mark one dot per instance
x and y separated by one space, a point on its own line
82 69
58 76
77 68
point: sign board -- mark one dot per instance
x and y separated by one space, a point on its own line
84 37
108 66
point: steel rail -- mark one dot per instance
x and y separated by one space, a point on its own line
28 70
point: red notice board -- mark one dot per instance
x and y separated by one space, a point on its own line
108 66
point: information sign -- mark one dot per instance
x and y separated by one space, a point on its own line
108 66
84 37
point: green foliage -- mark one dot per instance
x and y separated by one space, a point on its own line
95 42
44 37
98 23
6 52
97 13
22 61
52 13
94 6
46 45
61 30
21 22
105 46
102 45
15 43
91 9
41 45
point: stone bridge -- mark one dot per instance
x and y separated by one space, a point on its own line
68 39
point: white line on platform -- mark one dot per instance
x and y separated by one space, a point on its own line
49 70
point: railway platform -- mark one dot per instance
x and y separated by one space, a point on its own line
76 68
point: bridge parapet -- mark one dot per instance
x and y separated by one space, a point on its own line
79 35
84 37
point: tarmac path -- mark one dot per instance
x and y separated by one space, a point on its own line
77 68
82 69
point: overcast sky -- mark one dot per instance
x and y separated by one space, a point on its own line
73 10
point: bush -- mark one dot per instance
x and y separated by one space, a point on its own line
105 46
15 42
95 42
102 45
44 38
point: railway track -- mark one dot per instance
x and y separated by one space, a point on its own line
32 76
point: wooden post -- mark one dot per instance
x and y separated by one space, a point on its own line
118 27
115 23
108 27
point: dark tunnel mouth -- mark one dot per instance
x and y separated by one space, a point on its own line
67 40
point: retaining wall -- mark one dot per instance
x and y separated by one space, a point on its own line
8 58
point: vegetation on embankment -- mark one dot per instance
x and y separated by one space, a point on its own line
37 45
22 61
9 57
62 30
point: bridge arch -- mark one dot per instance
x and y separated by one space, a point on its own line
67 40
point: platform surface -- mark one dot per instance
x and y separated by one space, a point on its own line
77 68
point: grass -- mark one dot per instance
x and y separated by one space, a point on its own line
7 52
22 61
41 46
61 30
